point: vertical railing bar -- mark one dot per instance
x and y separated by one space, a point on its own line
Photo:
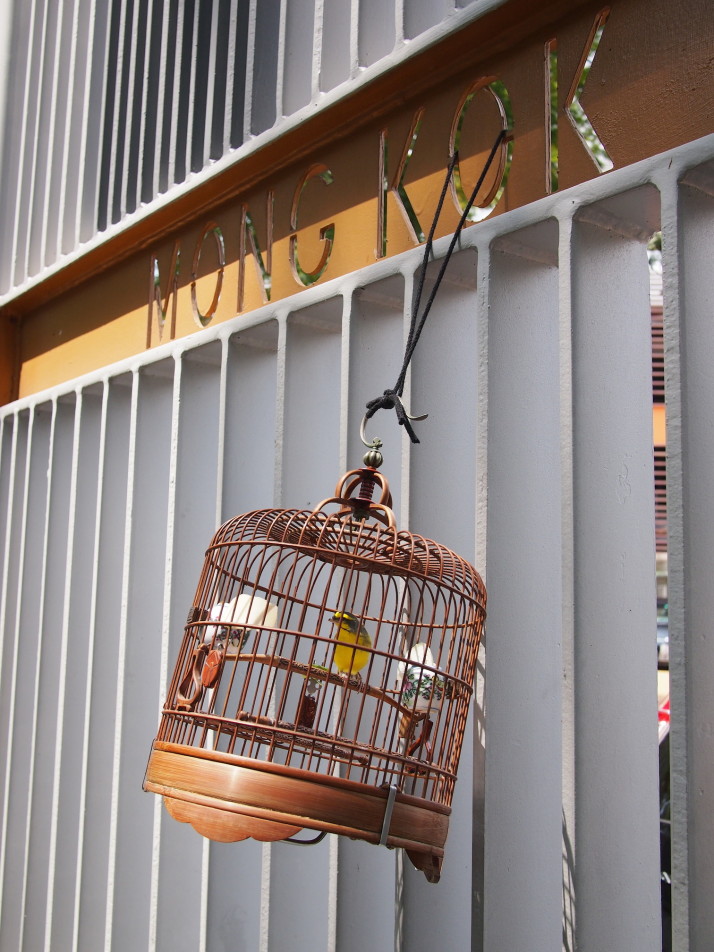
280 371
222 417
249 72
333 868
121 664
165 633
318 40
282 53
265 864
14 196
67 139
345 435
176 95
62 674
128 122
210 88
117 79
354 38
230 74
192 93
24 912
623 587
398 22
48 158
399 903
161 101
3 621
405 448
99 145
677 580
92 634
8 528
565 227
482 298
218 519
84 134
203 907
22 257
9 31
144 108
483 282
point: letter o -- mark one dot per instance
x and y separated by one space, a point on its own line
203 320
482 208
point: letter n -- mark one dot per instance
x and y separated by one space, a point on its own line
249 241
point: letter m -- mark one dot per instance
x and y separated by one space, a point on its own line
155 298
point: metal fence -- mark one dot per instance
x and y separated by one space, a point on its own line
110 106
536 462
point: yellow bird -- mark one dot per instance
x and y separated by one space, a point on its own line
349 658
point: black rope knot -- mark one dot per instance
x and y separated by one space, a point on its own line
386 402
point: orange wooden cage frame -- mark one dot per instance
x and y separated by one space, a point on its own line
263 734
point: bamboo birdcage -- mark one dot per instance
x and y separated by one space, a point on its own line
280 718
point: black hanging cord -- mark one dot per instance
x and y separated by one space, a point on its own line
316 839
391 399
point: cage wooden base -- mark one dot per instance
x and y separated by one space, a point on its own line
229 798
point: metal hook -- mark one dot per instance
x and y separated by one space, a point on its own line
376 443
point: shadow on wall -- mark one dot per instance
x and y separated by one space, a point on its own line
568 890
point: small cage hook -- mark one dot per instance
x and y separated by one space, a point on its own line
374 444
374 457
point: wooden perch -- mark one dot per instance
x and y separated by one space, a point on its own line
322 674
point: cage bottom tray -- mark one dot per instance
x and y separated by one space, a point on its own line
230 798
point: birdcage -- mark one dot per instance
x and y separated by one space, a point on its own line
324 679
